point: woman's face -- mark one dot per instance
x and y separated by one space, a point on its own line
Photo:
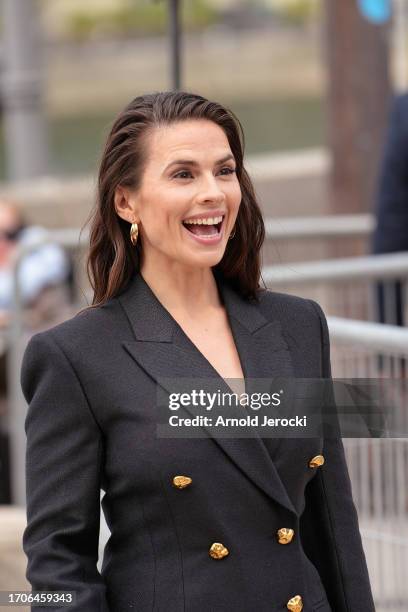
203 186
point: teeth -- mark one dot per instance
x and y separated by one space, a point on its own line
209 221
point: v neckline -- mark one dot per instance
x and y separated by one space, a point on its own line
184 339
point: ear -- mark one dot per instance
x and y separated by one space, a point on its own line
125 204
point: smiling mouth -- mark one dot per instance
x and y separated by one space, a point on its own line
204 229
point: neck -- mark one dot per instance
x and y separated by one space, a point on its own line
192 292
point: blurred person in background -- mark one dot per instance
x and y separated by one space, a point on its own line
391 209
41 271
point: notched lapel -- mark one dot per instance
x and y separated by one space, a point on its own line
164 351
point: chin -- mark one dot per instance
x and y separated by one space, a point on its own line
205 261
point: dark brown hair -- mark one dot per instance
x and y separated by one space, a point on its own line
112 259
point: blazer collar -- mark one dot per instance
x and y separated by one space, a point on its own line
163 350
155 324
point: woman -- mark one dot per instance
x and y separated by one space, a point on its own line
196 524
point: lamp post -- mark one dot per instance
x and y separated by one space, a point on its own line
175 43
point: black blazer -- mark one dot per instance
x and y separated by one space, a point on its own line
91 387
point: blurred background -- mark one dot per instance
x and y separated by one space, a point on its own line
320 89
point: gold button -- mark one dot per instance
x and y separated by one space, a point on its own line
181 482
316 461
295 604
218 550
285 535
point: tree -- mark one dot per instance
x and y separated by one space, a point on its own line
358 96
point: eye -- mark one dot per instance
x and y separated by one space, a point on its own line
230 170
181 172
187 174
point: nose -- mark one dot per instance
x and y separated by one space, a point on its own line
210 190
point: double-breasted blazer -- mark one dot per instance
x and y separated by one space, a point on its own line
91 385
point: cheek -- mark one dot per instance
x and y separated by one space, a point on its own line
235 194
161 218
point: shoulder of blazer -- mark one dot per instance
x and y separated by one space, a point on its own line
277 299
303 324
298 316
100 324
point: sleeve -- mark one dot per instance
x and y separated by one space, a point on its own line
63 465
329 525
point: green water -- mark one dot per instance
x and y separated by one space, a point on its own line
270 125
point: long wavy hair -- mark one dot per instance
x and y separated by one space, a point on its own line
112 260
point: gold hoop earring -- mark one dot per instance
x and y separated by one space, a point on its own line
134 232
232 234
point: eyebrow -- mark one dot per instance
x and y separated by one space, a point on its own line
191 162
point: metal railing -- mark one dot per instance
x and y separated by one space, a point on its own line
375 267
371 288
319 226
378 468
